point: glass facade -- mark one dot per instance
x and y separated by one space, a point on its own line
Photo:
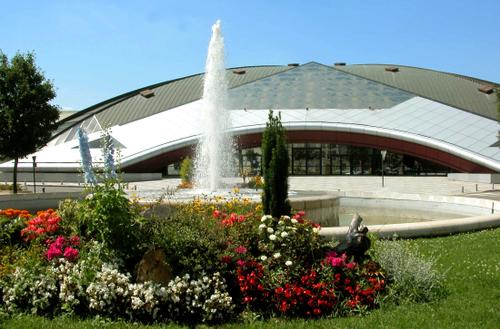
315 159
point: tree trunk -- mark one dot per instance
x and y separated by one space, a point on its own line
14 180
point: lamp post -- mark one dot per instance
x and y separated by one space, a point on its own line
34 180
383 153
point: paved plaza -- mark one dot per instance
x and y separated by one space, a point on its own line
428 185
412 185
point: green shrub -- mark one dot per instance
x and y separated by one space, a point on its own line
71 211
255 182
108 217
412 278
195 235
9 187
10 230
192 243
186 171
27 285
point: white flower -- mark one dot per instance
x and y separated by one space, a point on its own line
315 229
262 226
276 255
263 258
284 234
265 217
286 217
288 263
281 222
270 230
294 221
272 237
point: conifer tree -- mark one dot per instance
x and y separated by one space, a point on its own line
275 168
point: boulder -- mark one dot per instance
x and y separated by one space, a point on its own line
154 267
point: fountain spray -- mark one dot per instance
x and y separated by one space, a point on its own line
214 152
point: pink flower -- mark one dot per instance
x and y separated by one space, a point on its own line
53 252
70 254
60 241
333 260
240 262
241 250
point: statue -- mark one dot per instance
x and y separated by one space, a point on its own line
357 243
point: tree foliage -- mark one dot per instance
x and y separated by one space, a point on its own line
28 119
275 168
186 171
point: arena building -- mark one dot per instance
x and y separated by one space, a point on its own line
338 120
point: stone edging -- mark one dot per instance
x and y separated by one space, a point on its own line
428 228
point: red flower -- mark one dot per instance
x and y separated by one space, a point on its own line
351 265
283 306
74 241
46 222
226 259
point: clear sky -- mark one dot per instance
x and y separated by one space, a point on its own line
94 50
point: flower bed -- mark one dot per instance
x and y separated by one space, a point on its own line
224 259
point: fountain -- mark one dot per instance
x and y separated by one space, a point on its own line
214 158
214 152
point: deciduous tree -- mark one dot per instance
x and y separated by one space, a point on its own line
27 117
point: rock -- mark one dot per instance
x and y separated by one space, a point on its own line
154 267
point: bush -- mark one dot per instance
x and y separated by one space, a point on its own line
9 187
255 182
412 278
195 235
186 171
192 244
12 221
108 217
289 242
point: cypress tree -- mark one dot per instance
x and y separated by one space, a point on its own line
275 168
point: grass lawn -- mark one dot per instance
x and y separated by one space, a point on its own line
472 266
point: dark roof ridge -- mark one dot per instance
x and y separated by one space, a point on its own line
467 77
343 69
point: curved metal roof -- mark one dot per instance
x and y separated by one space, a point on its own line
133 106
309 85
451 89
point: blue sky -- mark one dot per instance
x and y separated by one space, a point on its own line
95 50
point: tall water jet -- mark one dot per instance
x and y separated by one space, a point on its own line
214 152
